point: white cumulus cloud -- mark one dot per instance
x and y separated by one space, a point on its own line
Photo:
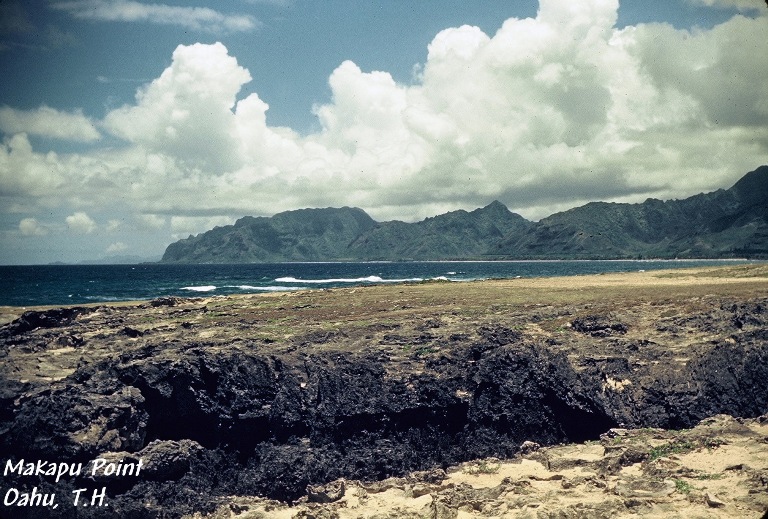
187 111
48 122
80 222
545 114
195 18
31 227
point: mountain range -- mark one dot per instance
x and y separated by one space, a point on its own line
722 224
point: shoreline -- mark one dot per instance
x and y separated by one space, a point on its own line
755 269
670 277
28 287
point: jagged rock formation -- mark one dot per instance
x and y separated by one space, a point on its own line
725 223
715 470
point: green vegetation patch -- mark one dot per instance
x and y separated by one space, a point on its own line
683 446
683 486
483 467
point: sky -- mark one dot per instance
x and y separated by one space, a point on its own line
126 125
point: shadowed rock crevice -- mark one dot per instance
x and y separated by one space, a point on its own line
578 424
214 401
278 431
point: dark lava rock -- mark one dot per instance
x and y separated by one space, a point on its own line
70 340
131 332
42 319
210 421
499 335
165 301
74 423
598 326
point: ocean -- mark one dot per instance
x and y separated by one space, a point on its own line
78 284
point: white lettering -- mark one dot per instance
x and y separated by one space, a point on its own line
15 498
64 468
42 468
77 494
97 464
107 468
13 494
100 495
50 471
13 468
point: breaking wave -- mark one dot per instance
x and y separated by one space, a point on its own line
29 285
204 288
367 279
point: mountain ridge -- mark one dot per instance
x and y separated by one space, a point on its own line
724 223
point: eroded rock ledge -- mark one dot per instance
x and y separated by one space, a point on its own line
719 469
266 396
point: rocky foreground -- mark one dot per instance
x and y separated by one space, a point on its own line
716 470
560 397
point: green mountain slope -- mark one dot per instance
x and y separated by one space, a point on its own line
724 223
302 235
454 235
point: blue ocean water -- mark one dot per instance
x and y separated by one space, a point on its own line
78 284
